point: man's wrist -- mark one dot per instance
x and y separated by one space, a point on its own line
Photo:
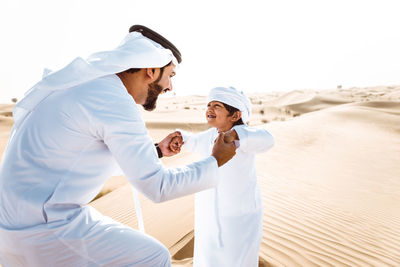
159 152
216 160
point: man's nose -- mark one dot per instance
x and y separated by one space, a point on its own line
168 88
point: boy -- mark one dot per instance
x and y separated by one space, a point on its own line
228 218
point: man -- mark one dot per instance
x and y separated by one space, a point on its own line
71 131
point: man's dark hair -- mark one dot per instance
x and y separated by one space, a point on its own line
231 110
158 38
133 70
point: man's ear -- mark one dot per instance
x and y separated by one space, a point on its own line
150 73
236 116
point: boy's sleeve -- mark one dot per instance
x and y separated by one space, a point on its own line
253 140
194 142
189 140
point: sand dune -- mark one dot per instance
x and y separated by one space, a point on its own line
315 103
330 186
293 97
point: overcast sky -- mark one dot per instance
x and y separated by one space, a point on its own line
257 46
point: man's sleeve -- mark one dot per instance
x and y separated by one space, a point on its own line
123 131
253 140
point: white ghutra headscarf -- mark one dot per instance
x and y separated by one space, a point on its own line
135 51
234 98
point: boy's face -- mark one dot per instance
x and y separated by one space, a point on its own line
218 116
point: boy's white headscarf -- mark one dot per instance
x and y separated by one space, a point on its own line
234 98
135 51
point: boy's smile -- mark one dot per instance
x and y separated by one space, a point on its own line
211 116
218 116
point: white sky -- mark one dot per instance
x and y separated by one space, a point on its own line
257 46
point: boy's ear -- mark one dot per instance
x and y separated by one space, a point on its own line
236 116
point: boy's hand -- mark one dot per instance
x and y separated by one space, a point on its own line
176 144
230 136
165 144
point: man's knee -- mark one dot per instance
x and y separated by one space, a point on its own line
164 258
154 253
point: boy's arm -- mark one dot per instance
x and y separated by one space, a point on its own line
192 142
253 140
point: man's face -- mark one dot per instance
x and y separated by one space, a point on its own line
161 85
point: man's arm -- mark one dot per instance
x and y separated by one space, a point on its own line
123 131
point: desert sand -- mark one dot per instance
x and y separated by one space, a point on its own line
330 185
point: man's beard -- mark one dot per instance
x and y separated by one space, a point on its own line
152 96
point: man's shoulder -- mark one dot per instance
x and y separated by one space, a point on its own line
102 95
102 91
110 85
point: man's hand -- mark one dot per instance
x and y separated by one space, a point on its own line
230 136
165 145
223 151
